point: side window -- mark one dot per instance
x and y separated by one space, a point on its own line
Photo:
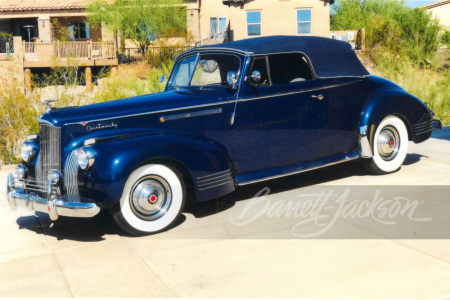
259 66
289 68
206 73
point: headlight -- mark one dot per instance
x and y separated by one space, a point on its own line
27 151
54 176
20 172
86 157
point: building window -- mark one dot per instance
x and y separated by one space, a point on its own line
253 23
218 26
304 21
78 31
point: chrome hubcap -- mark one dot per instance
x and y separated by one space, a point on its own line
150 197
388 143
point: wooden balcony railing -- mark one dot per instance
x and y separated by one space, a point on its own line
41 51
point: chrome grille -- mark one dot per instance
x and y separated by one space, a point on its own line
71 178
49 158
50 153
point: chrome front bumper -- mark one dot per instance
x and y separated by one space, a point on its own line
53 207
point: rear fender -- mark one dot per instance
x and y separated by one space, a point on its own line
408 108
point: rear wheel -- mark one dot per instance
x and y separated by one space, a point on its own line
152 201
390 145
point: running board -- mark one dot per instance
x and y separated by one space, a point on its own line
278 172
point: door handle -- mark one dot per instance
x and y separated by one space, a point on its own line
317 97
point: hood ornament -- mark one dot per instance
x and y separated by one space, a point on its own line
48 105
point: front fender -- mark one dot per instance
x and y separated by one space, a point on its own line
116 159
396 102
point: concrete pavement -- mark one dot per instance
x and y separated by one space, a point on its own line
207 255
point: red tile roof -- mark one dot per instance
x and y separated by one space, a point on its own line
20 5
436 4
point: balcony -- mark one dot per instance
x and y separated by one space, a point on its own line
59 54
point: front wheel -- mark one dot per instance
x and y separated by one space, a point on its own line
390 145
152 200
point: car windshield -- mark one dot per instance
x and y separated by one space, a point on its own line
204 70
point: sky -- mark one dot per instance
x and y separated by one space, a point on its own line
415 3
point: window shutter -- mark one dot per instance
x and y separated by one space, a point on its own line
87 30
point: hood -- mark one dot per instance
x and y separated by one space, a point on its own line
137 105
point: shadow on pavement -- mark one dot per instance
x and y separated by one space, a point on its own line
94 229
412 158
323 175
77 229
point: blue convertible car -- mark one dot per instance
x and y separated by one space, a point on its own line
231 114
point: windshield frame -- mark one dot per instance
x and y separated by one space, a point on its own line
198 56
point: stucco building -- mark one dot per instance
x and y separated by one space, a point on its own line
252 18
440 10
51 33
33 19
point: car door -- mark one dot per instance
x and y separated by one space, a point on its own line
278 121
252 122
299 110
344 98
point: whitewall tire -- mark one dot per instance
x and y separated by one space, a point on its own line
152 200
390 146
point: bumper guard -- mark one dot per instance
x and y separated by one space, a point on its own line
54 207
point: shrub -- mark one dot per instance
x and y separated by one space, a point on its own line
18 118
390 24
445 39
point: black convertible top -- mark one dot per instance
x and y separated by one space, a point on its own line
329 58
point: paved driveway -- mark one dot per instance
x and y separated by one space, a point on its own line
210 254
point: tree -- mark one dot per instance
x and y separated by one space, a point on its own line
142 21
389 24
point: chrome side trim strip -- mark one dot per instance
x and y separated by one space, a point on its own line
209 104
209 184
210 187
149 113
424 131
190 115
215 180
298 172
300 92
423 127
208 180
214 174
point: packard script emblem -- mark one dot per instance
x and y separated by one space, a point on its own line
99 126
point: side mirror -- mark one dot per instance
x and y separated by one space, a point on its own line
162 79
256 76
232 79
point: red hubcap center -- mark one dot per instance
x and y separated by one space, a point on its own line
391 143
153 198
